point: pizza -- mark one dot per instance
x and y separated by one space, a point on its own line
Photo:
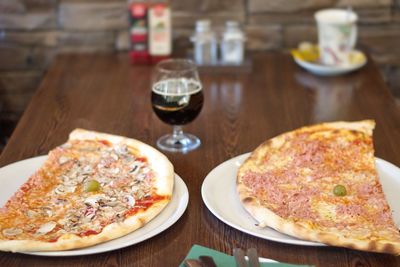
94 188
319 183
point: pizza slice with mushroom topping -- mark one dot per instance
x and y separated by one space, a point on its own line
94 188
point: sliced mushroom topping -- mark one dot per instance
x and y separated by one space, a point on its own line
45 228
114 156
121 150
139 194
71 183
135 188
65 178
61 201
31 213
12 231
81 178
140 177
87 169
107 212
72 173
47 211
130 200
74 218
113 203
70 188
114 170
63 189
59 190
134 169
89 213
119 208
63 160
94 200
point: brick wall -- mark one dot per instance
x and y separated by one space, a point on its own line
32 32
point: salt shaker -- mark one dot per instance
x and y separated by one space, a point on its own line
205 43
232 44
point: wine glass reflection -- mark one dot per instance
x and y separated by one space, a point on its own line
333 95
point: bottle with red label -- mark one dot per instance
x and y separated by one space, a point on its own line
160 37
139 33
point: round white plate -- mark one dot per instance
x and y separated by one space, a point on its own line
219 194
324 70
14 175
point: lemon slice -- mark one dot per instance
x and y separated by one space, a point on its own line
306 51
356 57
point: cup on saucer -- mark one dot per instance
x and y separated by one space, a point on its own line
337 35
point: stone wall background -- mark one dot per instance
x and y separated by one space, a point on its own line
33 32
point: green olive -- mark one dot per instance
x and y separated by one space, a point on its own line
339 190
91 186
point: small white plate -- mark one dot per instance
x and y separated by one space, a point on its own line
14 175
219 194
324 70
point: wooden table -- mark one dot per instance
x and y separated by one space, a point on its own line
241 110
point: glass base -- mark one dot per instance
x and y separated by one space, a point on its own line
178 143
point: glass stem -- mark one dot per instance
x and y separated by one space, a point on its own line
177 131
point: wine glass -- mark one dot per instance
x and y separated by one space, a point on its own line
177 99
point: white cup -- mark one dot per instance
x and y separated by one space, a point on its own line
337 35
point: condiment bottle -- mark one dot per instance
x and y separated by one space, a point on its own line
138 31
160 36
232 44
205 43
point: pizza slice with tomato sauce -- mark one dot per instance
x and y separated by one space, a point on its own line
94 188
319 183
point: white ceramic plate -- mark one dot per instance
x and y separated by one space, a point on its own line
14 175
324 70
219 195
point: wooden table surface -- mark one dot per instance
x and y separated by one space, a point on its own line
104 92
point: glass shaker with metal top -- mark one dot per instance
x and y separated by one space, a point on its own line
205 43
232 44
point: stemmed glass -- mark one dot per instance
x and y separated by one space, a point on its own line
177 99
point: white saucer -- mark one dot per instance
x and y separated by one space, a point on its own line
324 70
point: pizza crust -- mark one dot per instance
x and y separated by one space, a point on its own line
72 241
267 217
164 182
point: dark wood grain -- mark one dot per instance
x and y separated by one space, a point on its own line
103 92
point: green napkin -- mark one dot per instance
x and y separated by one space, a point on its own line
224 260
